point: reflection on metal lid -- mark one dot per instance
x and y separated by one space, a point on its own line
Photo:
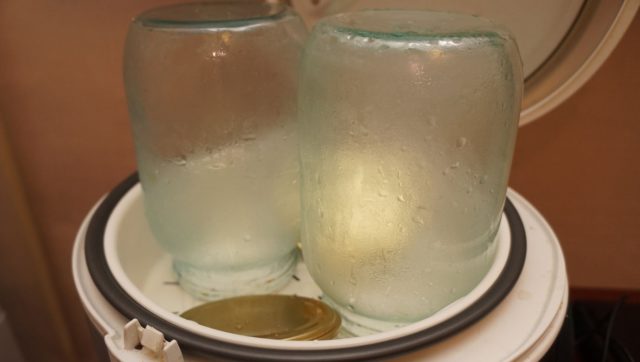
285 317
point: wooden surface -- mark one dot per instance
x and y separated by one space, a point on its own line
62 101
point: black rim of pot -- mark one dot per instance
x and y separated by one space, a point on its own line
197 344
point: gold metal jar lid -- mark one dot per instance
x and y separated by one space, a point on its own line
273 316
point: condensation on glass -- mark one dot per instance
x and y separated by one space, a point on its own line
211 89
408 122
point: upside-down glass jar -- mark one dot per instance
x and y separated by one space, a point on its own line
211 89
408 122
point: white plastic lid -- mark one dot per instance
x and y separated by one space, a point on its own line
562 42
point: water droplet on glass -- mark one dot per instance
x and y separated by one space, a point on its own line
401 198
352 278
249 136
432 121
450 168
452 290
418 220
383 193
180 160
461 142
247 237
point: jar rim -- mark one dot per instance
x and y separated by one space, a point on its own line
411 25
212 14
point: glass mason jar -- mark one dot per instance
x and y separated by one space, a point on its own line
211 89
408 125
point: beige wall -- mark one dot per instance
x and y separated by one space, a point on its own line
580 166
62 105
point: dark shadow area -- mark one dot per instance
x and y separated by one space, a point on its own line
599 331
